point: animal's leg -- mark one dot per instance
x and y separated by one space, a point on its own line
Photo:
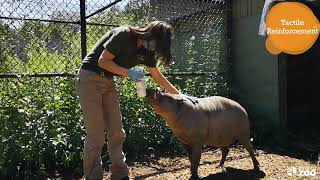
247 145
195 160
225 151
194 155
188 148
189 151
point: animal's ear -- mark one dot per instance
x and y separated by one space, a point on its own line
152 94
156 95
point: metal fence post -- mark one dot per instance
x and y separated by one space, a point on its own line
83 28
229 21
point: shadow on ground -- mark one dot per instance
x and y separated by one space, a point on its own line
230 173
297 146
234 173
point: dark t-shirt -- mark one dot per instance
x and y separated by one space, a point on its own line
123 45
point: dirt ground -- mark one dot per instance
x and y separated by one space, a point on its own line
237 166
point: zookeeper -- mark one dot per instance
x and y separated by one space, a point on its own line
113 55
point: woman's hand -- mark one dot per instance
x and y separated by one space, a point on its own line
193 99
162 81
136 75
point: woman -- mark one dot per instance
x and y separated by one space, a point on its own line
114 54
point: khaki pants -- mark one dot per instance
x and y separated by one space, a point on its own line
100 105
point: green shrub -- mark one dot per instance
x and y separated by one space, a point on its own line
41 127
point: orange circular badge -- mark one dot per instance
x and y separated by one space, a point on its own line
291 28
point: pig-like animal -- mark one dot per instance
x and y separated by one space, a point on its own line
213 121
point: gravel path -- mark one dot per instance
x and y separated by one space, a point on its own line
238 166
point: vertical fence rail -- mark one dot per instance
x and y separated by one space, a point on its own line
83 27
228 19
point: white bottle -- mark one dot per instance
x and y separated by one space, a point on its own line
140 84
141 88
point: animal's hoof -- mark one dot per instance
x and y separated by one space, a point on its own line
194 177
256 169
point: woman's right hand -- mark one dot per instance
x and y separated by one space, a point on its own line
193 99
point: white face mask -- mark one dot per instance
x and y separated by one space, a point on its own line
149 45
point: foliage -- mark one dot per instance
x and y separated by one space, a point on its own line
40 127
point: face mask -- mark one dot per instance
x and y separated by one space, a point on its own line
149 45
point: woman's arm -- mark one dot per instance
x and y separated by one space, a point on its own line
106 62
162 81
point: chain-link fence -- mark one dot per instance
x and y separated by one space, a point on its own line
41 48
42 37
